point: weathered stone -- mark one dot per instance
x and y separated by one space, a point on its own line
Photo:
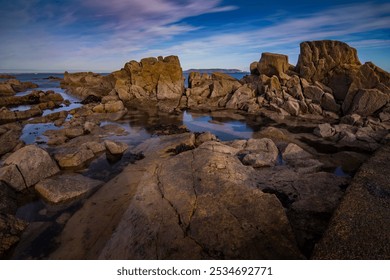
262 152
292 107
317 58
366 102
33 163
272 64
74 132
329 103
314 93
353 119
12 177
95 147
324 130
205 137
294 152
74 159
179 217
65 187
241 98
115 148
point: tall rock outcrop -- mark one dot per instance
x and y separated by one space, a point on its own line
152 79
336 65
157 79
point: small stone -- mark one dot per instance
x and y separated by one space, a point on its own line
115 148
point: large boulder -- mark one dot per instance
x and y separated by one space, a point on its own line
31 164
157 79
365 102
273 64
318 58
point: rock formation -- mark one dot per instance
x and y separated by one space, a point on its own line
159 80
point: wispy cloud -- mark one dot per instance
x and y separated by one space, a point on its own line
101 34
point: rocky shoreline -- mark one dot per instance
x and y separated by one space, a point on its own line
184 195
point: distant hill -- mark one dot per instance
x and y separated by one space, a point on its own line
211 70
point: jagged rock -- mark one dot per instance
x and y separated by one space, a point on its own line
10 230
324 130
353 119
155 79
314 93
365 102
115 148
329 103
318 58
12 86
272 64
213 90
241 99
85 84
32 164
292 107
65 187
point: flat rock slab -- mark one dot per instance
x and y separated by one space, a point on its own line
360 226
65 187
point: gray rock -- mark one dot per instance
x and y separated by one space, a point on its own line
65 187
314 93
261 152
33 163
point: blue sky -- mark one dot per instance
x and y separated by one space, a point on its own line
101 35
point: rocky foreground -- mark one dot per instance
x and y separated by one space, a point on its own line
191 196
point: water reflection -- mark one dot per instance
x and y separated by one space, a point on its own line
224 128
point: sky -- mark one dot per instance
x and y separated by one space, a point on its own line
102 35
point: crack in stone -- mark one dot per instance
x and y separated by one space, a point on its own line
160 188
195 204
21 174
180 223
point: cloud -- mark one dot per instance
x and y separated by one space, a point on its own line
103 34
